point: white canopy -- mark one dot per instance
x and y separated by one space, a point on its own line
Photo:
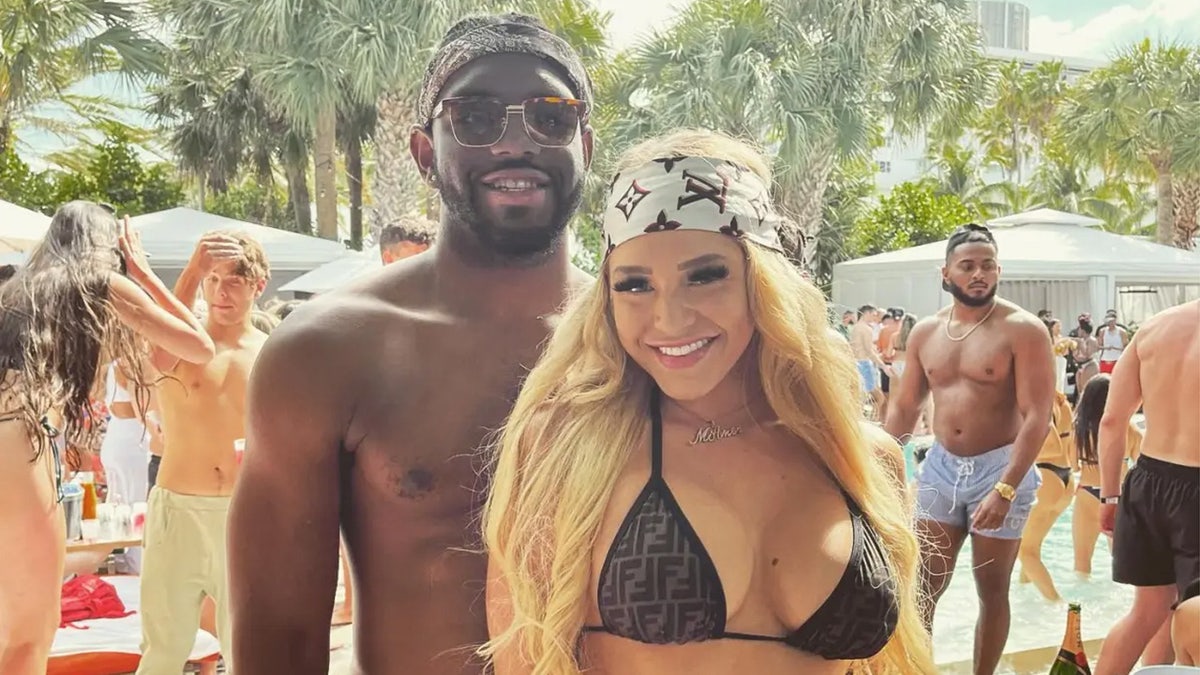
1049 260
20 228
333 275
1045 217
170 237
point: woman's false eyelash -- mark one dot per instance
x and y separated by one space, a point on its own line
703 275
708 274
630 284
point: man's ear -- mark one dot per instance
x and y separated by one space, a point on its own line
420 146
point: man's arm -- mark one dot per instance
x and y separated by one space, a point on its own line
1124 398
284 518
1033 374
905 404
866 344
211 250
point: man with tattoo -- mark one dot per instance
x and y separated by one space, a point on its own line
406 374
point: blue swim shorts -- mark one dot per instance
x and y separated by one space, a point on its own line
950 488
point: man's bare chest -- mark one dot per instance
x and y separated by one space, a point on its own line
981 359
223 379
424 427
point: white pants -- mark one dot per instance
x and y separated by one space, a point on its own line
125 455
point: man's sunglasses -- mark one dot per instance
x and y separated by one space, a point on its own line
479 121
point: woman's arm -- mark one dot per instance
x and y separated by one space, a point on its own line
159 317
507 659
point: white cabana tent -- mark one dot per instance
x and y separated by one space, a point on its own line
170 237
20 228
333 275
1049 260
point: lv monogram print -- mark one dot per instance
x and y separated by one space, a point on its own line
655 587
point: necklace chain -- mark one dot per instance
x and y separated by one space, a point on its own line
972 329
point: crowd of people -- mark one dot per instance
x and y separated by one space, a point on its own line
527 470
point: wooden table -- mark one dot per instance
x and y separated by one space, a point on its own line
101 545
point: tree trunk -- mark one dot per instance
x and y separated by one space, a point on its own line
804 202
325 175
1165 227
392 194
354 179
1187 210
296 169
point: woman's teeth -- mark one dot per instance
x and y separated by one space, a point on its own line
685 349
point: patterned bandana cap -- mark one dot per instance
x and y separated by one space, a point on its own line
691 193
479 36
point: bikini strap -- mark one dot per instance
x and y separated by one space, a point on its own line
655 434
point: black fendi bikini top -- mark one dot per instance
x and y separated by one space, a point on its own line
659 585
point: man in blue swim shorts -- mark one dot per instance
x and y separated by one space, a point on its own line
990 369
862 344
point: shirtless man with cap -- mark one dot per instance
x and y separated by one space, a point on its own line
369 406
1154 517
989 366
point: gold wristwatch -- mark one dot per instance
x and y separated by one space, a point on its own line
1006 491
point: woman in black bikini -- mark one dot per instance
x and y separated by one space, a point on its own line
686 483
1054 462
1085 521
85 297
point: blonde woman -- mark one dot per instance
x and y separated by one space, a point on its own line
686 483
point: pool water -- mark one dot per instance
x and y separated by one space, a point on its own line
1036 622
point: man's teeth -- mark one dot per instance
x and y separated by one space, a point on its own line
685 349
514 185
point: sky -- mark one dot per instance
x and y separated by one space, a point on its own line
1081 28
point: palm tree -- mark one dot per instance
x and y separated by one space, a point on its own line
806 79
356 123
48 45
1141 114
314 58
219 123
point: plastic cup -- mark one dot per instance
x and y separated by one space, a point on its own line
90 529
239 449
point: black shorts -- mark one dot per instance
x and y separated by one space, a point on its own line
884 381
155 460
1156 540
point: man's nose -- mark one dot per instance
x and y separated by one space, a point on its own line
515 140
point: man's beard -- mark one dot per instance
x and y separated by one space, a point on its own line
961 295
495 245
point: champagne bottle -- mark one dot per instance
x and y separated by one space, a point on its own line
1071 660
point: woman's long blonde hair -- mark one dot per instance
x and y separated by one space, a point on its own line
583 410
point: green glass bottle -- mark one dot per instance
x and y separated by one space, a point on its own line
1071 660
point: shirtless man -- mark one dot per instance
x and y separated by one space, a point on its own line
1154 518
203 411
989 367
870 364
408 237
368 406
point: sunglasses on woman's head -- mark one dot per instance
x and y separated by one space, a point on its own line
480 121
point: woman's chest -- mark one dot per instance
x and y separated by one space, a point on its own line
765 537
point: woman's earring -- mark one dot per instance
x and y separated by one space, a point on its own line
432 178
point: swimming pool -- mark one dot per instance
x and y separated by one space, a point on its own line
1036 622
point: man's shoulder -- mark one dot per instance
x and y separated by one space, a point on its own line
1179 317
1019 318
